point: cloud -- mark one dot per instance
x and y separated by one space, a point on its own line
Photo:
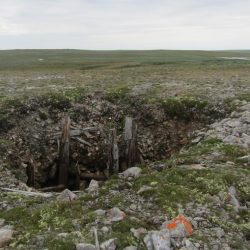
125 24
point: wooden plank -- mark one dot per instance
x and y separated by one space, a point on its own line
94 176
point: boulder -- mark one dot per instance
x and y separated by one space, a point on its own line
179 227
5 235
93 187
132 173
67 195
157 240
115 214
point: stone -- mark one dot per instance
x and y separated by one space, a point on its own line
193 167
108 245
179 227
245 159
130 248
83 246
105 230
232 196
144 189
63 235
115 214
219 232
93 187
133 173
157 240
100 212
67 195
5 235
137 233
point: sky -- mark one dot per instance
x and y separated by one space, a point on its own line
125 24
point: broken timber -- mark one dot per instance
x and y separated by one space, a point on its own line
132 156
113 162
64 153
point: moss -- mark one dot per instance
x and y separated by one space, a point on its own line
63 100
121 231
184 108
117 94
232 151
60 244
245 97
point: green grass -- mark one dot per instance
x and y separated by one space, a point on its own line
199 74
82 59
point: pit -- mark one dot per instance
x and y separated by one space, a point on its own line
58 143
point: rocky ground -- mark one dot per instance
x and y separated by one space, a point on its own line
197 199
191 188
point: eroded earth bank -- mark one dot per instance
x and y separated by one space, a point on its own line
177 178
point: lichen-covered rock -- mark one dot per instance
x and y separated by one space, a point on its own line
115 214
132 173
108 245
83 246
67 195
157 240
93 187
5 235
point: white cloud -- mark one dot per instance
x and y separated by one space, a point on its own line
125 24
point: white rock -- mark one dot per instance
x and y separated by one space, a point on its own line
108 245
83 246
63 235
130 248
133 172
93 187
144 188
233 198
138 232
157 240
5 235
100 212
67 195
115 214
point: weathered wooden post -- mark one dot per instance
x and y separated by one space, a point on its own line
64 153
31 174
130 137
114 153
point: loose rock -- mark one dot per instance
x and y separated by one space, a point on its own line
157 240
93 187
130 248
67 195
131 173
108 245
83 246
137 233
115 214
5 235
